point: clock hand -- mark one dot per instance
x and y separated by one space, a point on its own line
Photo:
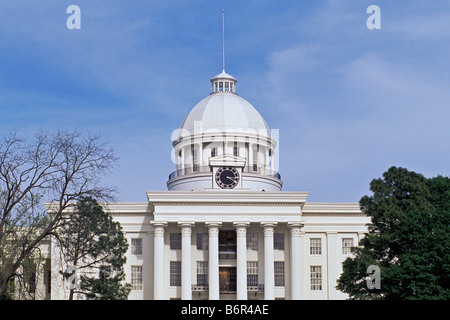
232 178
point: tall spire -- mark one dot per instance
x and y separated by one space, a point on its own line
223 82
223 40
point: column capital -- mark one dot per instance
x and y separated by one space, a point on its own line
269 224
160 224
296 228
268 228
158 228
213 224
241 228
296 224
243 224
186 228
186 224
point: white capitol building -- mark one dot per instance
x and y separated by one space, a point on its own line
224 229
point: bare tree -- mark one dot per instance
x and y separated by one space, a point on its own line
59 168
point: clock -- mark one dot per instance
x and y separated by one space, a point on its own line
227 177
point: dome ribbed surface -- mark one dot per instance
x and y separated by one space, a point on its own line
224 112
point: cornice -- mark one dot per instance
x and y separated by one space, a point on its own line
332 214
114 208
228 204
226 197
332 209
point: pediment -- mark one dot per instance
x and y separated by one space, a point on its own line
227 160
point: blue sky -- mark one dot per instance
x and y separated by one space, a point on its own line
348 102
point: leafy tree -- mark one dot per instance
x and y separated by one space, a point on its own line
92 242
408 239
57 167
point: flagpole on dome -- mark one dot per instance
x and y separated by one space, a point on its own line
223 40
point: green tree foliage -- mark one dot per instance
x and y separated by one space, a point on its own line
95 244
408 239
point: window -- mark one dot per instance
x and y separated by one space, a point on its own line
252 241
347 244
316 277
202 273
227 244
202 241
136 277
279 273
278 241
213 152
235 149
49 281
175 241
31 281
136 246
252 273
175 273
315 246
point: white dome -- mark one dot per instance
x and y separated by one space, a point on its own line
222 130
223 112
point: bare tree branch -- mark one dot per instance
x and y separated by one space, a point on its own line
59 168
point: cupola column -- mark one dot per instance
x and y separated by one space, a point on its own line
250 155
200 154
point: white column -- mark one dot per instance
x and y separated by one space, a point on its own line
333 265
158 260
296 260
272 161
182 162
186 282
241 263
250 156
269 277
213 263
200 155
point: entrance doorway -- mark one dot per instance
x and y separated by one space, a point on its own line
227 279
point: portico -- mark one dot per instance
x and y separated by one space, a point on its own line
229 250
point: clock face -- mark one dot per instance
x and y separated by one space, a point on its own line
227 177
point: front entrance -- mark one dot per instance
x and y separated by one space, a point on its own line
227 279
